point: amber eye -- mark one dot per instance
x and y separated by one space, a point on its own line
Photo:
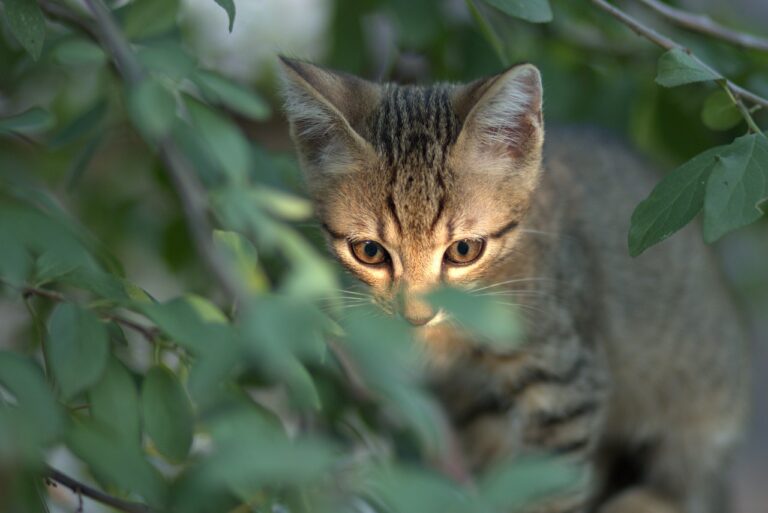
369 252
464 251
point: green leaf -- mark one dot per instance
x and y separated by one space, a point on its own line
283 205
223 140
27 24
242 100
78 346
244 259
512 486
484 316
115 402
114 460
738 184
77 51
411 490
30 121
167 413
677 67
229 7
81 125
149 18
535 11
36 414
675 200
719 112
153 108
192 322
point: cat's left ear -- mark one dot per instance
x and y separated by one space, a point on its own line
502 116
327 112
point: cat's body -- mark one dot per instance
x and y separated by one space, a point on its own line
633 365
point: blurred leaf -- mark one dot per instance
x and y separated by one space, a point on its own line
535 11
112 459
244 259
82 160
522 482
77 51
78 346
148 18
167 413
283 205
167 59
30 121
496 323
35 414
153 108
114 402
251 451
80 126
240 99
677 67
27 24
410 490
223 140
719 112
739 182
229 7
673 203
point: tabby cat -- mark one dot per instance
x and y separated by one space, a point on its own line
634 366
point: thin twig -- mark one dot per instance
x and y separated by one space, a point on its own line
669 44
705 25
188 187
97 495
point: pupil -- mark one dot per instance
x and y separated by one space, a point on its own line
463 248
371 249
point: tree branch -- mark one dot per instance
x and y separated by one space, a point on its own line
97 495
188 187
669 44
705 25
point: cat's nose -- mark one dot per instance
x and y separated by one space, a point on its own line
418 312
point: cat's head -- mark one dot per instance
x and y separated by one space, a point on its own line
417 186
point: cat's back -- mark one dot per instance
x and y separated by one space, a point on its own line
665 318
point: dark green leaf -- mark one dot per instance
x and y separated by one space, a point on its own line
30 121
223 140
148 18
739 182
240 99
153 108
677 67
229 7
168 59
675 200
167 413
77 51
535 11
78 346
719 112
82 125
114 460
27 24
115 402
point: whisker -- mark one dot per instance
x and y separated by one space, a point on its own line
516 280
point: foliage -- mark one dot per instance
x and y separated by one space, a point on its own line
248 386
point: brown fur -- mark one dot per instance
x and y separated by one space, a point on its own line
635 366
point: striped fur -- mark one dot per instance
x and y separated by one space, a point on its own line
633 368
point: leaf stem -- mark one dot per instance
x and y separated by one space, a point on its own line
670 44
705 25
745 113
97 495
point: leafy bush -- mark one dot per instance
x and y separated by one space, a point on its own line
264 384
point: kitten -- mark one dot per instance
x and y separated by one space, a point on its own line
635 366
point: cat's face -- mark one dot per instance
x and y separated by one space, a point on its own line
417 186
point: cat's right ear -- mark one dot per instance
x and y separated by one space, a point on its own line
327 111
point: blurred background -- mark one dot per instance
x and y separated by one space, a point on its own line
595 71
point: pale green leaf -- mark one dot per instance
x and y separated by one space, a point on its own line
27 24
738 184
240 99
78 51
677 67
719 111
675 200
148 18
153 108
114 402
